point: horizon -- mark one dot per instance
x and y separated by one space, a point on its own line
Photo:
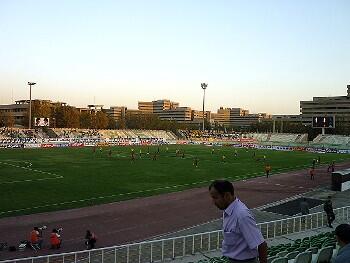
260 56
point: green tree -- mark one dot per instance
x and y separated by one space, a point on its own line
71 116
112 124
7 119
101 120
85 120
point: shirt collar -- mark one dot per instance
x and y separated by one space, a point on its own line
232 207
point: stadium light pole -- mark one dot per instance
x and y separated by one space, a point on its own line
204 87
30 103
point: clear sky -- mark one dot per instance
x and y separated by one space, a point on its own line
260 55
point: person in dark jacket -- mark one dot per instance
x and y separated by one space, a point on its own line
328 208
304 207
90 239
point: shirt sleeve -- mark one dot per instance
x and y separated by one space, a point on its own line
250 231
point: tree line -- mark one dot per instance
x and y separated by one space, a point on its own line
65 116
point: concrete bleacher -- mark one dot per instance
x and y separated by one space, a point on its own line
328 139
279 137
140 134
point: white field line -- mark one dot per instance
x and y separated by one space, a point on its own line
235 178
56 176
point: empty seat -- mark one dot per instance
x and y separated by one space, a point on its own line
280 260
324 255
282 253
292 255
304 257
313 250
270 259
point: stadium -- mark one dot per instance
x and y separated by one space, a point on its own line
148 202
174 131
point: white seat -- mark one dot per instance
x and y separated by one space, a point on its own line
304 257
270 259
280 260
324 255
292 255
282 253
313 250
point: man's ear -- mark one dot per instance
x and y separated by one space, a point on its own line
227 196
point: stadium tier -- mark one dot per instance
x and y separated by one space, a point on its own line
279 137
332 140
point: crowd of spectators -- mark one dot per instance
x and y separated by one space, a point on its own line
209 135
11 133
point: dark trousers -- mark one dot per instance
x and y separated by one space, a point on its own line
330 218
90 243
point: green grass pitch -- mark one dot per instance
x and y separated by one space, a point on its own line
38 180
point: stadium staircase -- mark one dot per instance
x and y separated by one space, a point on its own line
50 133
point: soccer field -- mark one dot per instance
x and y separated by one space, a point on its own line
38 180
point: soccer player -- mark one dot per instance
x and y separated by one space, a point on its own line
312 173
132 155
223 158
267 170
110 153
195 162
313 163
212 151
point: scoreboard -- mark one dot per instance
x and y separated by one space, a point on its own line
323 122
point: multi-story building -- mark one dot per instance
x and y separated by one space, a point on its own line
179 114
146 106
237 117
157 106
19 111
338 106
116 112
92 108
198 115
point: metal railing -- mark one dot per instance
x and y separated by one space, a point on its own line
171 248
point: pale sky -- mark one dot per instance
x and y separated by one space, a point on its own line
264 56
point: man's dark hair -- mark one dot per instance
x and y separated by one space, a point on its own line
222 186
343 233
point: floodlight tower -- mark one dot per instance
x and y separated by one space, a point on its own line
204 87
30 103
